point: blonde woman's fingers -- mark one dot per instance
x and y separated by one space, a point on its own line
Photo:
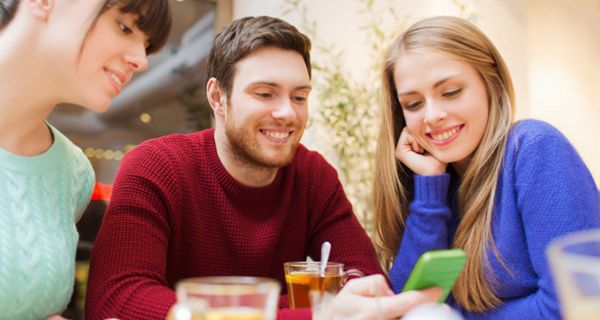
404 144
416 147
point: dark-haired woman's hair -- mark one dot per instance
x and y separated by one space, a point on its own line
154 19
7 11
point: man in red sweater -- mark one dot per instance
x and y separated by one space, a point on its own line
239 199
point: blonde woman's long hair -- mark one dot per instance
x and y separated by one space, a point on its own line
461 40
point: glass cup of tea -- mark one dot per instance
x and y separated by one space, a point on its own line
226 298
575 262
306 281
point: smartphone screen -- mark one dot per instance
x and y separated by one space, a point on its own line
436 268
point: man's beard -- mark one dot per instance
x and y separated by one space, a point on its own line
246 149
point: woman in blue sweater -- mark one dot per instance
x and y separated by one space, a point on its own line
454 171
57 51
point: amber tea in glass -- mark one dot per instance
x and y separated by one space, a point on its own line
302 278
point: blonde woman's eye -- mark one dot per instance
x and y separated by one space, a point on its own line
411 105
452 93
126 30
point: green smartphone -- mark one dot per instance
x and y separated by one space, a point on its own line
436 268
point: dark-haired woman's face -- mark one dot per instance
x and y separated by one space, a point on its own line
113 50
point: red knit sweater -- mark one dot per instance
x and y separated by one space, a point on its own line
176 213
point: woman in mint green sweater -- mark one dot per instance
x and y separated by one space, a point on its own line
57 51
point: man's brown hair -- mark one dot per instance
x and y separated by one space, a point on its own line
247 35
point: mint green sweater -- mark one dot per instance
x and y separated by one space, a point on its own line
41 198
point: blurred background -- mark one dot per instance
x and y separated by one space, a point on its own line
552 48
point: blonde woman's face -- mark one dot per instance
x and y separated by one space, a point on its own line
445 104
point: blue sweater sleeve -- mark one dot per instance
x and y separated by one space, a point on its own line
426 226
555 195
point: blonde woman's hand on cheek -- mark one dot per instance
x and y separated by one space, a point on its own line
417 159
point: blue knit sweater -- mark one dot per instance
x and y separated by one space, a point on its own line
544 191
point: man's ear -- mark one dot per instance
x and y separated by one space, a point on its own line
40 9
216 96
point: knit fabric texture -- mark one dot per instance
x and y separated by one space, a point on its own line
41 199
177 213
544 191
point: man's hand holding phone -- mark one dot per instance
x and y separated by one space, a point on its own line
371 298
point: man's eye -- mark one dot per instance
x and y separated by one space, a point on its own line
263 94
125 29
299 98
451 93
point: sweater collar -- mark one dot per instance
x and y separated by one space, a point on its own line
44 162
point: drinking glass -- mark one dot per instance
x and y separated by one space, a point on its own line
228 298
575 262
305 280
